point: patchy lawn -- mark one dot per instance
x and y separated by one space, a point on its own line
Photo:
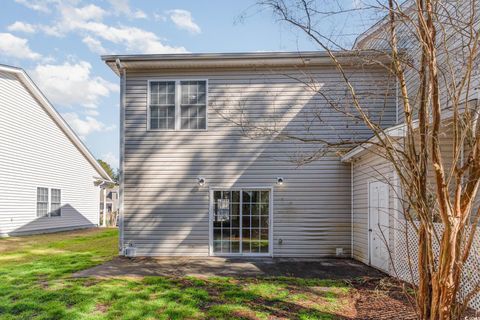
35 283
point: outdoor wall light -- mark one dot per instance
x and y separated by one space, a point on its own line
201 181
280 181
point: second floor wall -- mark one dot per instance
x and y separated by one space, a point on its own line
252 107
457 24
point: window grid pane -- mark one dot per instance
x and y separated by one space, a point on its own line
42 202
162 105
162 117
193 105
55 203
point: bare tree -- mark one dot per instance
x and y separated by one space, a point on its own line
432 52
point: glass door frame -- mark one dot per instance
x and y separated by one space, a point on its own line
211 213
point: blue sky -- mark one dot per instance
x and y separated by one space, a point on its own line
59 44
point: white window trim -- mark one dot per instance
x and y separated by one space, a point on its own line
210 222
50 199
178 100
49 202
36 201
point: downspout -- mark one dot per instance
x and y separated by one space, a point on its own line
351 206
476 107
396 101
123 74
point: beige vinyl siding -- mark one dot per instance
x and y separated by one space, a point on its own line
368 168
371 166
34 152
166 212
453 46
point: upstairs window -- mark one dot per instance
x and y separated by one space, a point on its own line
162 105
42 202
56 203
193 105
177 105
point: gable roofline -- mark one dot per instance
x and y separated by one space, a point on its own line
370 32
379 26
243 59
395 132
57 118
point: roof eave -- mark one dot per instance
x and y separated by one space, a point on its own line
395 132
243 60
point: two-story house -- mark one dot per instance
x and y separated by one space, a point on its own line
194 183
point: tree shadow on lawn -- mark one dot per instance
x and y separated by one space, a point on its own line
174 298
36 283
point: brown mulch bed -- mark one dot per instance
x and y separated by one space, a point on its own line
381 298
386 298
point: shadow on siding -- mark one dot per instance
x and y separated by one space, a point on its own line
166 213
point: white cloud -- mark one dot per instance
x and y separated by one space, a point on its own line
139 14
12 46
183 20
89 12
84 127
21 27
91 112
120 6
87 21
123 7
111 159
134 39
70 84
159 17
37 5
94 45
51 30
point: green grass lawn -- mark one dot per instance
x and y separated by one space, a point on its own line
35 283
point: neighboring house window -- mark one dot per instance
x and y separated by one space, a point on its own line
162 105
193 107
177 105
56 203
42 202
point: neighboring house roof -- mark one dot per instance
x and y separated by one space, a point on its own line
57 118
232 60
380 26
394 132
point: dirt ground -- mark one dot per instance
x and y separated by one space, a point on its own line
380 298
216 266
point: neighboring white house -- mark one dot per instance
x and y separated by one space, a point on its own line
48 178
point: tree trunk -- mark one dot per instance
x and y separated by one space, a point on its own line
424 294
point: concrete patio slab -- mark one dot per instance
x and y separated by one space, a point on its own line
216 266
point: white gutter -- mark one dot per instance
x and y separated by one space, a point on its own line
244 60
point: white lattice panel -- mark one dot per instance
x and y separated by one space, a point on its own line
406 249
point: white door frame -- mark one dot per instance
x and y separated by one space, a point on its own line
270 222
370 227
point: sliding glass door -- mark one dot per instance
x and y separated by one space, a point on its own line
241 221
